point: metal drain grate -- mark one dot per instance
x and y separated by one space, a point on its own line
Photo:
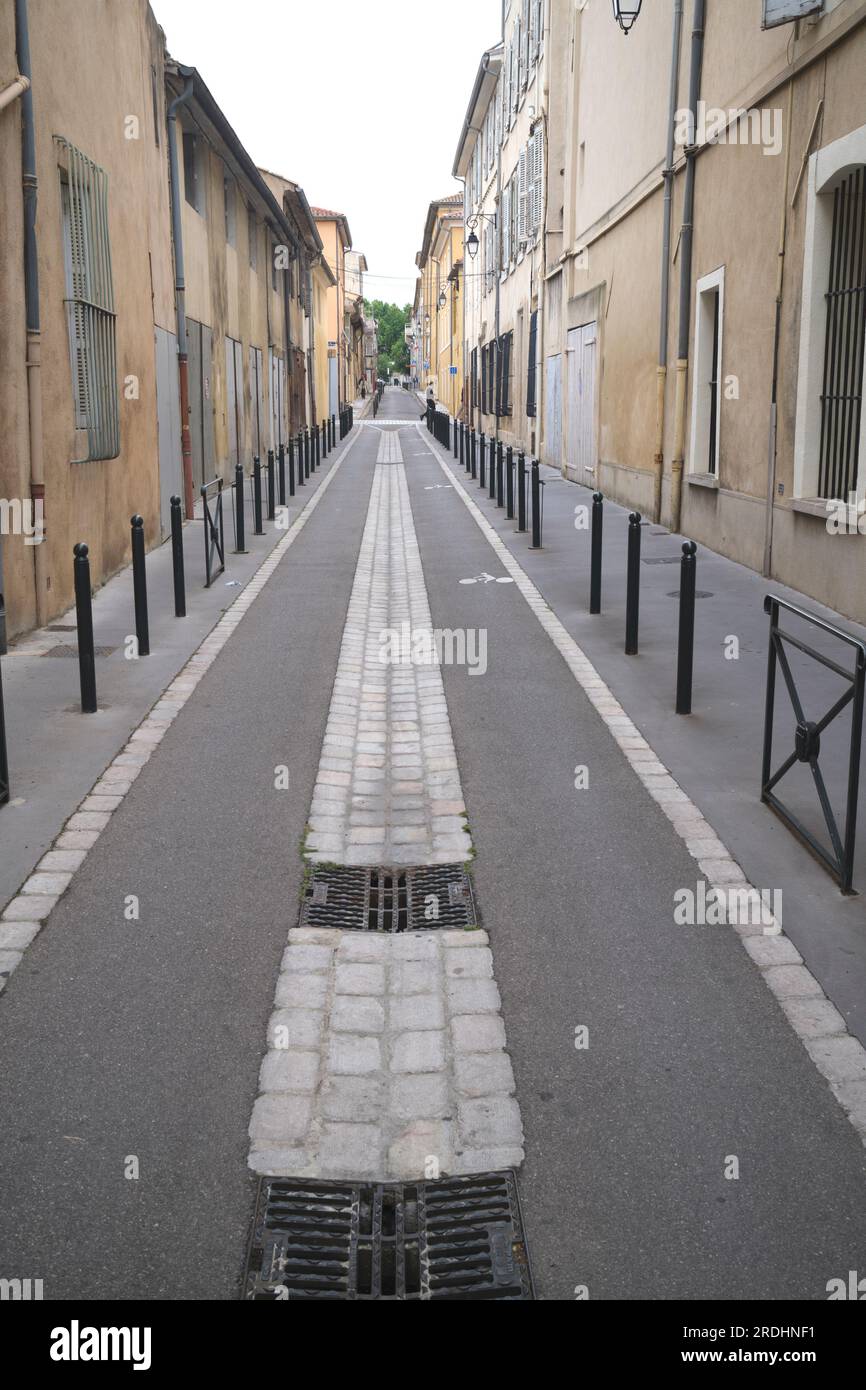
389 899
63 649
459 1238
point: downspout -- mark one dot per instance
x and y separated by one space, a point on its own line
687 247
777 331
664 309
31 302
180 295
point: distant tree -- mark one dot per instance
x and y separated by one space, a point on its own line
391 326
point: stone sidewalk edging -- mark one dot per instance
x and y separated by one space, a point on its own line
839 1057
28 911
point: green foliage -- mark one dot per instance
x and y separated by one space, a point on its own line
393 348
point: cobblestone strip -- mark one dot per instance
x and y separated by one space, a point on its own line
386 1060
27 913
839 1057
388 789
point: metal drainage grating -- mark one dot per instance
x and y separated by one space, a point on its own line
389 899
63 649
458 1238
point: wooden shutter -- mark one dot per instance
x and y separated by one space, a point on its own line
531 368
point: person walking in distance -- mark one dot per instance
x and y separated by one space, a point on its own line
431 402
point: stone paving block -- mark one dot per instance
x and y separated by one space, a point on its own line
281 1119
16 936
360 946
469 965
839 1059
490 1122
359 978
289 1070
416 1013
472 996
279 1160
478 1033
425 1148
357 1014
302 1028
301 959
350 1151
301 991
415 946
415 976
418 1052
484 1073
420 1097
353 1098
814 1018
350 1054
464 937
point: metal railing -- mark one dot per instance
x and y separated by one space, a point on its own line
839 859
214 536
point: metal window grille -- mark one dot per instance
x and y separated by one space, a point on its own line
531 372
842 396
90 302
503 375
712 460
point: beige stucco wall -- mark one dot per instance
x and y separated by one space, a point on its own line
81 96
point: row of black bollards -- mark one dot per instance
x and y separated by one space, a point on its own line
304 455
688 575
347 420
499 473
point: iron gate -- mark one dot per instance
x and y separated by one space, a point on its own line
839 860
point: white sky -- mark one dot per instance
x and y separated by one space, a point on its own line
361 101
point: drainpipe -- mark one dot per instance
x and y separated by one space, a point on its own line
664 310
686 247
180 293
769 514
31 301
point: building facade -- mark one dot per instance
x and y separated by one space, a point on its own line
438 309
336 239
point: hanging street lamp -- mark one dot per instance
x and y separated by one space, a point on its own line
625 12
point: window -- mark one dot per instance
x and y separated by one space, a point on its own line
90 302
830 442
503 375
707 385
193 172
252 238
535 182
231 214
531 369
473 378
842 394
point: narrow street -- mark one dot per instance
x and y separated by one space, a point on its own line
145 1038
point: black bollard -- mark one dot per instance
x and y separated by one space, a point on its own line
4 760
462 445
595 553
281 457
491 480
306 454
536 506
291 467
324 439
456 441
240 537
257 497
632 601
509 483
686 650
177 558
139 586
333 431
473 450
482 457
500 471
300 458
84 622
272 487
521 491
